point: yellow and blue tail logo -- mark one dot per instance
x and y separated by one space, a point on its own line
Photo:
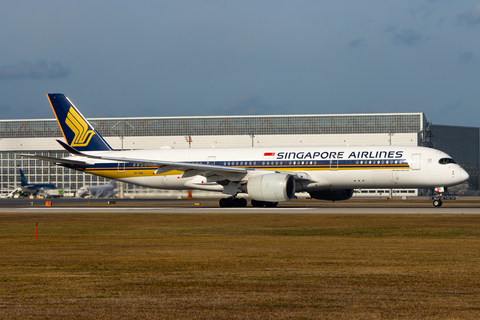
77 131
80 129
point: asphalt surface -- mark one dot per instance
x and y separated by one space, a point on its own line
204 206
249 210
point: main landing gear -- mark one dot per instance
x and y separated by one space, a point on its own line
242 202
256 203
232 202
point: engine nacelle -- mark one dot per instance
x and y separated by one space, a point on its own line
272 187
332 194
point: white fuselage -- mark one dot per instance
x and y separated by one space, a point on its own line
315 168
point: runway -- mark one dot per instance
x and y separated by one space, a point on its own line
210 206
248 210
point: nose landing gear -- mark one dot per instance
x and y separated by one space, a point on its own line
437 200
437 203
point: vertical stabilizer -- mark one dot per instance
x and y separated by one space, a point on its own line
77 131
23 180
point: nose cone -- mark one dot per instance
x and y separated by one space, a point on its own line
463 175
458 175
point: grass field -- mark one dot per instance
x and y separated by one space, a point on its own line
237 266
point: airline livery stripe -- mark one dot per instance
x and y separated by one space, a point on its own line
282 166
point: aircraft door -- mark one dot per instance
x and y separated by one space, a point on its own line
416 158
333 164
121 167
211 160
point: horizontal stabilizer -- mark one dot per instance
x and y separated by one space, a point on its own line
69 149
57 160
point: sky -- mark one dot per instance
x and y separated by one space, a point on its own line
203 58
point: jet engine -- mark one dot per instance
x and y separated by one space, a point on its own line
332 194
271 187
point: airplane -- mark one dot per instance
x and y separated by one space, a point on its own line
104 190
266 175
30 188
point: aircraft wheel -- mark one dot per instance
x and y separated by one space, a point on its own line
225 203
271 204
244 202
257 204
239 202
437 203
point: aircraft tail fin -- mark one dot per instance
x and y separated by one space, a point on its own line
23 180
77 131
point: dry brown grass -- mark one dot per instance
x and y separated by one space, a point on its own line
234 266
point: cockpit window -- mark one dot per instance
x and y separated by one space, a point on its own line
446 161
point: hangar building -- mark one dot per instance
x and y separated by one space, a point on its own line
38 136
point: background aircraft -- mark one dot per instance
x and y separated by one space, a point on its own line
29 188
100 191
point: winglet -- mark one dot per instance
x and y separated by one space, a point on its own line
77 131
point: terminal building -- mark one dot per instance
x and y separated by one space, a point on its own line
38 136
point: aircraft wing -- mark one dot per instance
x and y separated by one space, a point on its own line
165 166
